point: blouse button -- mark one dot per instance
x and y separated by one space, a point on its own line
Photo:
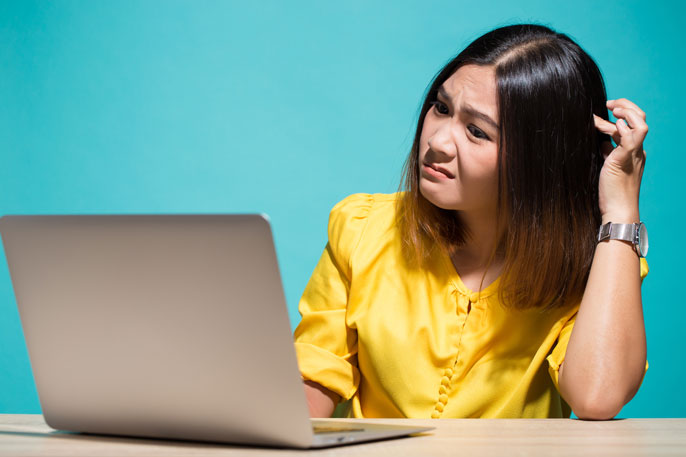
435 415
439 407
442 390
445 381
448 372
474 297
443 398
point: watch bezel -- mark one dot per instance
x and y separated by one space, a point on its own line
641 243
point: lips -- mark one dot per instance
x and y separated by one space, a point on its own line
439 169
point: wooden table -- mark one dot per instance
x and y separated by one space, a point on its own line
28 435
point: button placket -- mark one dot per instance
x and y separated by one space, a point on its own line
443 394
449 375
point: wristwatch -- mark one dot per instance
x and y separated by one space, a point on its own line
636 234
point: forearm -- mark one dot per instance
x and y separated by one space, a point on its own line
321 401
606 355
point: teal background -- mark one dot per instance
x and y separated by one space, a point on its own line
285 108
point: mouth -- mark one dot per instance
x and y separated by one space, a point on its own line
436 171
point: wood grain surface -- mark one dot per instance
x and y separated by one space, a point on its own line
28 435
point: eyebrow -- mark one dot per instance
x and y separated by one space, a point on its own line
471 110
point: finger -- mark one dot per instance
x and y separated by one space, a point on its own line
623 128
604 126
622 152
624 103
635 122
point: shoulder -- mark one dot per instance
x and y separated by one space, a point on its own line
360 216
362 206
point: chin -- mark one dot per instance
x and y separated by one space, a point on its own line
439 199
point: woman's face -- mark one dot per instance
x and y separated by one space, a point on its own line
458 148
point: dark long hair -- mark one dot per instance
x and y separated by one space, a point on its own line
549 161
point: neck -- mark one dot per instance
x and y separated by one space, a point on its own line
483 236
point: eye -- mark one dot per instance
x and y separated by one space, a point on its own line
477 132
440 107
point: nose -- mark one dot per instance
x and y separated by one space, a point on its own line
443 143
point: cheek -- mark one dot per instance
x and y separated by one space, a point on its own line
491 170
483 165
423 142
491 163
428 128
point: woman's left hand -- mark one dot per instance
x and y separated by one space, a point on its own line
620 177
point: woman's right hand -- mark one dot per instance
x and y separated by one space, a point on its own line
620 177
320 400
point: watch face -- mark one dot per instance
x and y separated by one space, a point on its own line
642 239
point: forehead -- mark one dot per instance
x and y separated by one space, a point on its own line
474 85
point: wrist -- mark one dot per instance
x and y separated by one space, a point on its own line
633 233
621 217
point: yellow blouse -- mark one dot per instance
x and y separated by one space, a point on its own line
404 342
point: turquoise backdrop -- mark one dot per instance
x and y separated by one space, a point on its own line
285 108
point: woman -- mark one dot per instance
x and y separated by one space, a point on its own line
483 289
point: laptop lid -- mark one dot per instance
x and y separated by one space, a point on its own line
159 326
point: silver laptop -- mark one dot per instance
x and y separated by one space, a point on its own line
166 327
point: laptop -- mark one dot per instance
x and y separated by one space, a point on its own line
165 326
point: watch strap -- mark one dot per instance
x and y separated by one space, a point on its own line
624 232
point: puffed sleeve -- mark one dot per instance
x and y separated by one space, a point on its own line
325 345
557 355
